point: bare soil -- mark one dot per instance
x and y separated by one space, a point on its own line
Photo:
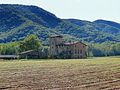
97 74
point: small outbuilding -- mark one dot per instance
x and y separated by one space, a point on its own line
30 54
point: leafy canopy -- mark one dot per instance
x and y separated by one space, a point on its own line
31 42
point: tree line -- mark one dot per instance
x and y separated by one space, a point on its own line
104 49
31 42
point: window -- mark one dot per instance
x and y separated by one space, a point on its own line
75 51
80 51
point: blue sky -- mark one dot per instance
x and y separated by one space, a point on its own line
78 9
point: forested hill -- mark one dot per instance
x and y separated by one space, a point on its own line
18 21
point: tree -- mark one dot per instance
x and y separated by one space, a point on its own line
11 48
31 42
116 49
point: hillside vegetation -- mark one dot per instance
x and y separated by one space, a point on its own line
18 21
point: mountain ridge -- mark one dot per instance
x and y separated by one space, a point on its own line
18 21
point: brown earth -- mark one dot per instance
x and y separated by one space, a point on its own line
96 74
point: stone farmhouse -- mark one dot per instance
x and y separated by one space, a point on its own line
60 49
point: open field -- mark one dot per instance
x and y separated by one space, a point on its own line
90 74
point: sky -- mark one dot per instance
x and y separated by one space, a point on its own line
78 9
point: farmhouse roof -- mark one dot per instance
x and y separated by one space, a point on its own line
29 51
73 43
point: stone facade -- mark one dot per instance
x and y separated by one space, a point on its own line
60 49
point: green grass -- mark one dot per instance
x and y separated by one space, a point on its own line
79 74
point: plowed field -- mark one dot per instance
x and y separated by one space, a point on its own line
88 74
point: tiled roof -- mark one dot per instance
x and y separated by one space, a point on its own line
70 43
73 43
